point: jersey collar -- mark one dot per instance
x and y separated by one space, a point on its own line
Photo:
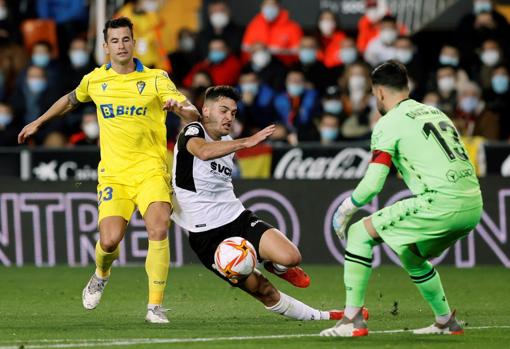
138 65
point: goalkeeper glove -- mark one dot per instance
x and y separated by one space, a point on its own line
342 216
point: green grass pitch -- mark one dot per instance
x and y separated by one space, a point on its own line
41 308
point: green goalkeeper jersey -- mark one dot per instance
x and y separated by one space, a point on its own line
427 151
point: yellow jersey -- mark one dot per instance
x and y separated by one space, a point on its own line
131 120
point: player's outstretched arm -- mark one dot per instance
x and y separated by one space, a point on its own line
186 111
212 150
64 105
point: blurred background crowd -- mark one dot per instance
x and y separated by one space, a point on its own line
312 82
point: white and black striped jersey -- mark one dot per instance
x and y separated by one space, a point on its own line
203 196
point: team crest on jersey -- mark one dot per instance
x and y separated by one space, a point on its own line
191 131
140 85
104 85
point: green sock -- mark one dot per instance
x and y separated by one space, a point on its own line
358 264
427 279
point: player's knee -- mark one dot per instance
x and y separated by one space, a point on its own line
158 230
108 244
290 258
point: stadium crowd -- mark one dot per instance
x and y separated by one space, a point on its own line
313 83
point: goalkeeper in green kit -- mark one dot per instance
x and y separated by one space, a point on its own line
426 149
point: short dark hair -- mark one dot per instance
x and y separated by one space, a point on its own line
391 74
120 22
214 93
389 18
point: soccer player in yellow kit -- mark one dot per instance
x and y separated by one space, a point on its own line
131 100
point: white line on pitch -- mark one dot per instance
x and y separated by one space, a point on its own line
82 343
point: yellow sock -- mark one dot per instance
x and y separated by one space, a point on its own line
156 266
104 260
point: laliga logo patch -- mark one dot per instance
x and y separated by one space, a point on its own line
191 131
140 85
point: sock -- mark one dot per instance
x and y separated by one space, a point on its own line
294 309
279 269
357 267
104 261
428 282
156 266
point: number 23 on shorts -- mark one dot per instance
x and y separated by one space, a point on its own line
104 195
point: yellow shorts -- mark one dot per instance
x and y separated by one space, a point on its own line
116 199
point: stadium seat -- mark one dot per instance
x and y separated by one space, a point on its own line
35 30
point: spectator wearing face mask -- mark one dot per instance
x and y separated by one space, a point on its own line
9 128
32 98
89 133
497 97
78 63
446 88
316 74
339 58
296 107
449 56
184 57
356 102
482 23
490 55
472 118
147 30
9 24
382 47
220 25
328 32
368 27
223 66
329 129
273 27
255 109
269 69
41 57
406 53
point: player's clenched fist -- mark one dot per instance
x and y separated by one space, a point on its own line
342 217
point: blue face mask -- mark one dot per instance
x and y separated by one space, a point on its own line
307 55
329 134
250 87
480 7
295 90
79 58
348 55
40 59
448 60
500 84
270 12
333 106
5 119
217 56
36 85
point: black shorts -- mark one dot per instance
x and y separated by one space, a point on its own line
247 226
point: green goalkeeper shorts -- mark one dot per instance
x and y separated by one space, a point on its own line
425 222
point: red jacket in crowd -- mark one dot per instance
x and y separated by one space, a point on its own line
282 36
224 73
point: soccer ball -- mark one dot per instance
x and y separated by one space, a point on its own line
235 258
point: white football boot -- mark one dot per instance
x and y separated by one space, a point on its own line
450 327
93 291
157 315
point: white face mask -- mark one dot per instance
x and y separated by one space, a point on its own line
327 26
446 84
373 14
270 12
3 13
404 55
490 57
348 55
150 5
219 20
388 36
469 104
357 83
260 59
91 130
